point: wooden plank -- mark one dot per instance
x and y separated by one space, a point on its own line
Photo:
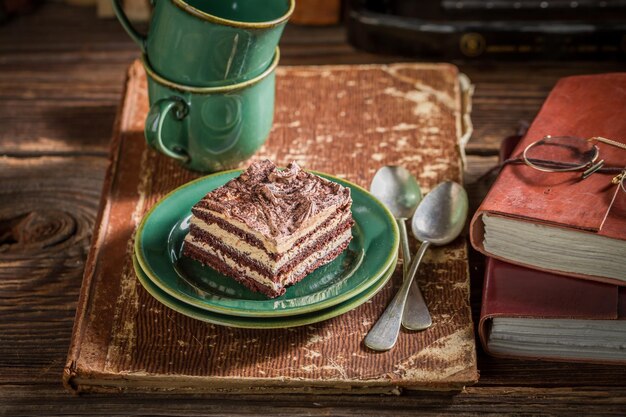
47 214
46 400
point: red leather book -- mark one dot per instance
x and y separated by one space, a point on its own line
536 314
588 217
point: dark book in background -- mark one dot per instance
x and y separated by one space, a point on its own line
518 29
538 315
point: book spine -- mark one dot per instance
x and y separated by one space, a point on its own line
87 287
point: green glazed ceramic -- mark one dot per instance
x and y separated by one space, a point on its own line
261 322
211 43
158 248
210 129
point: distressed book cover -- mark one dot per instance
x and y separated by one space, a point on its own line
343 120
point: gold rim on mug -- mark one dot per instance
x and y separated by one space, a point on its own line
210 90
235 23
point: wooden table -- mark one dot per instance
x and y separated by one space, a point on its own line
61 75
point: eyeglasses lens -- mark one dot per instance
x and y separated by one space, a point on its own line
560 153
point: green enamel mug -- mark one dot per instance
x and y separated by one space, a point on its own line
210 129
211 42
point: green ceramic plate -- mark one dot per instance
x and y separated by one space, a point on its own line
158 248
261 322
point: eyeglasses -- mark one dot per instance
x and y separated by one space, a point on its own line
568 153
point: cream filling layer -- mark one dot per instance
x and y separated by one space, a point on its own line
229 239
278 245
262 279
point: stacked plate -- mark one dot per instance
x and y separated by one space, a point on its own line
200 292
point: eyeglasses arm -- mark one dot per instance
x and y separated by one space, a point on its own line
608 142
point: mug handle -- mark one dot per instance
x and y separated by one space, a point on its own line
154 125
128 27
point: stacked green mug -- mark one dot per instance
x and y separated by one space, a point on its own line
211 77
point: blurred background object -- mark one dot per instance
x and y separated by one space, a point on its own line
10 8
490 28
136 10
317 12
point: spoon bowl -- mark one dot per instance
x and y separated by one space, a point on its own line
441 216
397 189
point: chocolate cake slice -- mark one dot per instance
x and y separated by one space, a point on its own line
268 228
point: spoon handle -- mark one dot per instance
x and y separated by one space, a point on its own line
404 247
384 334
415 315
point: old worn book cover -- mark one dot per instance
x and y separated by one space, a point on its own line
579 315
343 120
592 209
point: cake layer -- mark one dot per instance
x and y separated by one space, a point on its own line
201 238
269 244
273 261
253 239
201 256
235 267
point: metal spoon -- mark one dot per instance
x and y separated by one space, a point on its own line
400 193
438 220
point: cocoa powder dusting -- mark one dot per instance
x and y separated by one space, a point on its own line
274 202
